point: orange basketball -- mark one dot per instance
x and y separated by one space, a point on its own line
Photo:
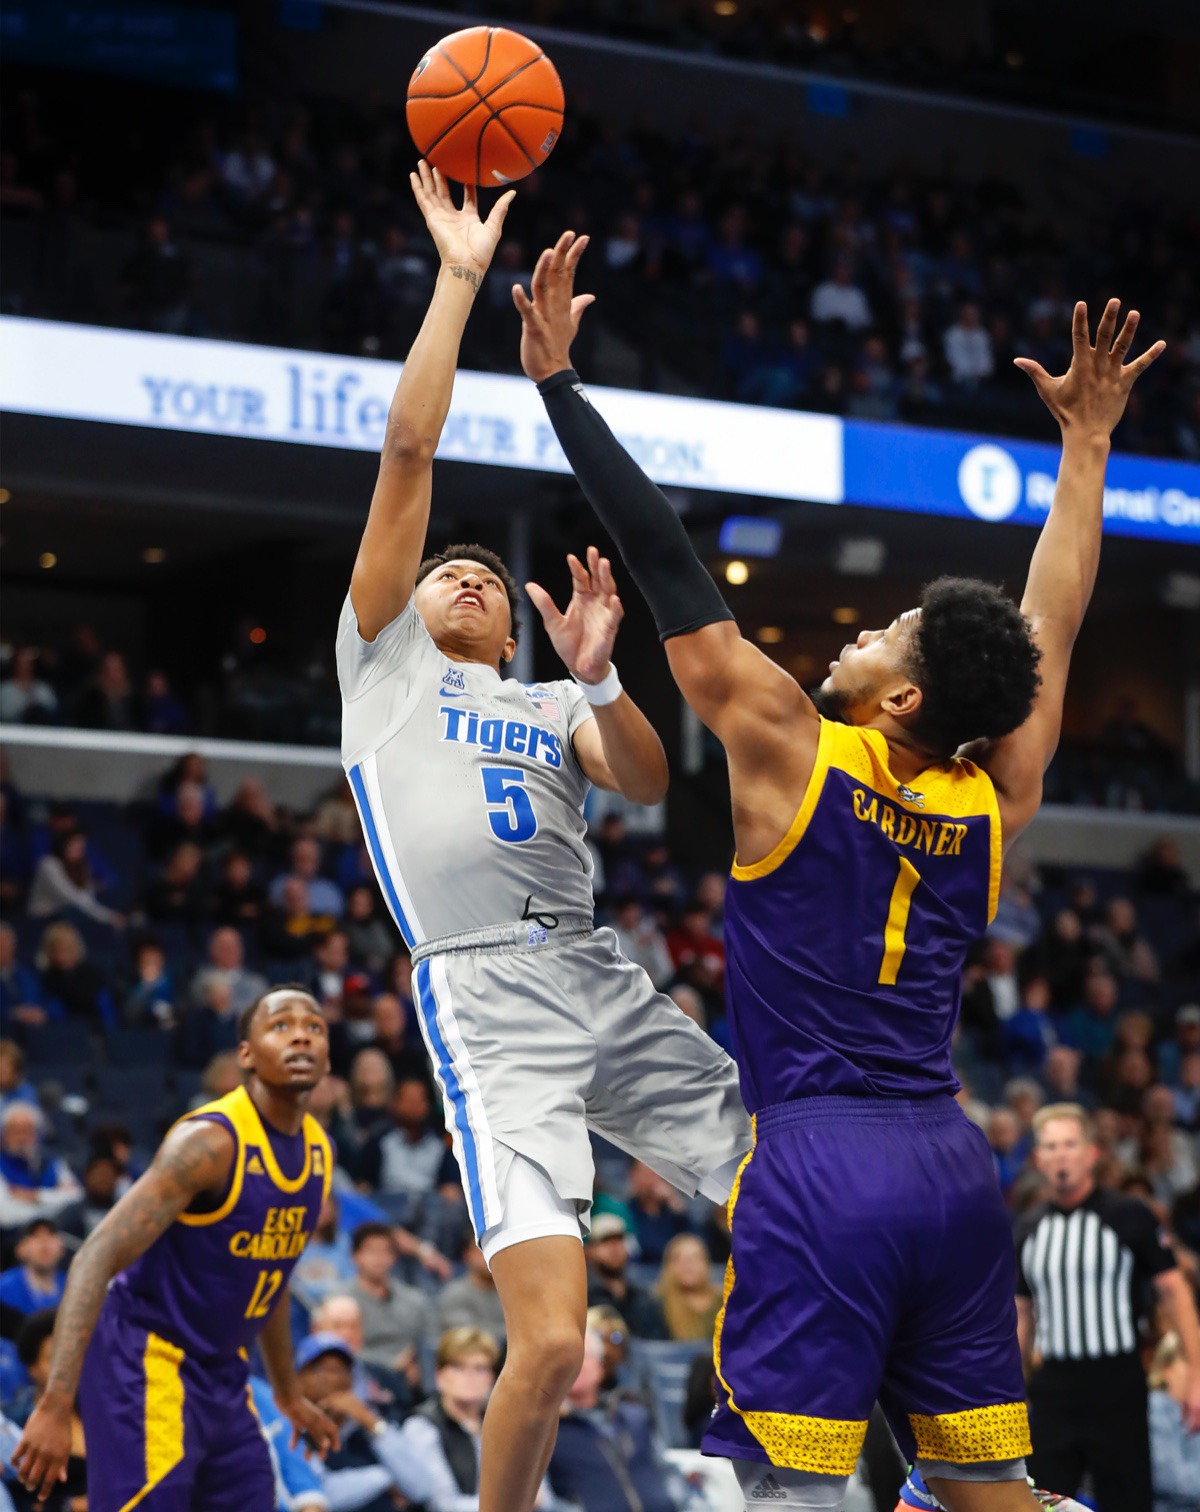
485 105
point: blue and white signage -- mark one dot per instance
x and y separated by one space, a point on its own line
229 389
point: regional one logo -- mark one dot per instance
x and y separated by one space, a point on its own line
989 482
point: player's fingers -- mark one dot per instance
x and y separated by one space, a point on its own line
427 183
442 189
522 301
575 252
561 247
578 305
541 276
1125 336
1032 369
579 573
471 198
500 209
1107 327
1139 365
1080 339
543 603
608 584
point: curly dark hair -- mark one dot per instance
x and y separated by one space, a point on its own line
976 663
471 551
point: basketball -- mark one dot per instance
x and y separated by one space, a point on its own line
485 106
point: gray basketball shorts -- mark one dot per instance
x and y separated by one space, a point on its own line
534 1047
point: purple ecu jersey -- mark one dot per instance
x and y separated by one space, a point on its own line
871 1253
164 1393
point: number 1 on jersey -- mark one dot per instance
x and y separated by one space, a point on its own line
510 810
894 944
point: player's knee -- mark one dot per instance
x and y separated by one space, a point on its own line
550 1362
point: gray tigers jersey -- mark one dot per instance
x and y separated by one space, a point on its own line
467 785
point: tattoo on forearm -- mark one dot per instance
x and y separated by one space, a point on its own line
469 274
180 1172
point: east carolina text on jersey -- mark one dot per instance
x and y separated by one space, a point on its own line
465 727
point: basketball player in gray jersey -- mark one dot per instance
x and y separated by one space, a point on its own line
470 788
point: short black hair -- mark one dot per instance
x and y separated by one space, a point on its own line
371 1230
33 1333
247 1018
976 663
37 1223
471 551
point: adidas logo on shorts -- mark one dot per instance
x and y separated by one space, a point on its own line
767 1489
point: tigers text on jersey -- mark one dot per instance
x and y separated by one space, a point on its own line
470 795
845 945
209 1283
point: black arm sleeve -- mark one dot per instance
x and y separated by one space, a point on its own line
649 534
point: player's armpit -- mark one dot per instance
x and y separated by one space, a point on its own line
747 700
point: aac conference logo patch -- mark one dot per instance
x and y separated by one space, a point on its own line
989 482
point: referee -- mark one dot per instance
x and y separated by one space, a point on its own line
1086 1262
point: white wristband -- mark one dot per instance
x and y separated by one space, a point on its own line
607 691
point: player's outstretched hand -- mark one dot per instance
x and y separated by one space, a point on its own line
1090 396
310 1423
462 239
40 1459
585 634
551 318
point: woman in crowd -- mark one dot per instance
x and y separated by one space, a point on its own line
690 1297
1174 1452
64 879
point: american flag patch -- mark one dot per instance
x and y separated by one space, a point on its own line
545 702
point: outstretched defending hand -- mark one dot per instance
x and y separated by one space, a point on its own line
1091 395
551 318
462 239
585 634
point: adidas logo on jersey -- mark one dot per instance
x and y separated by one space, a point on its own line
767 1489
255 1167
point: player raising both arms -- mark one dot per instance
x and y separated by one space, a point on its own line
871 1250
185 1273
471 788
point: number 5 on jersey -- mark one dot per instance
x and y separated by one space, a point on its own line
510 810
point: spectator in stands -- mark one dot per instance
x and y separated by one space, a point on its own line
151 997
371 1088
1017 919
32 1182
13 1086
107 702
697 954
607 1255
176 896
840 300
1060 1076
710 894
1161 873
70 983
325 975
186 818
1028 1035
37 1280
410 1158
1127 952
155 289
1091 1026
240 899
1174 1450
373 1461
371 943
26 698
605 1458
472 1301
394 1315
209 1027
1010 1149
221 1076
658 1212
161 712
1165 1155
968 349
691 1004
63 881
689 1296
15 860
408 1061
103 1183
290 930
353 1028
336 821
20 990
385 1391
327 1263
227 967
1063 956
446 1433
324 897
251 821
1186 1093
1186 1041
640 940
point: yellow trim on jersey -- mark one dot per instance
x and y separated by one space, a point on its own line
894 943
231 1106
804 813
997 851
163 1413
976 1436
792 1440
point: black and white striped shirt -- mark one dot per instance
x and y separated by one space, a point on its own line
1088 1270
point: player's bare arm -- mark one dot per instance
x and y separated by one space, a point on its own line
618 749
760 714
194 1160
275 1344
394 539
1087 401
